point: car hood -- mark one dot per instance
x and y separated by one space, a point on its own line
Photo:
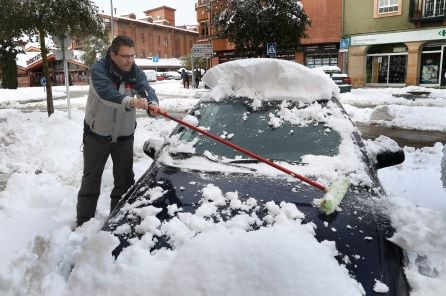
360 229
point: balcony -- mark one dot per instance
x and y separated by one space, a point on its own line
427 11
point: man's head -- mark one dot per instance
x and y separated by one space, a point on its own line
122 52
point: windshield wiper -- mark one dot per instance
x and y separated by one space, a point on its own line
244 160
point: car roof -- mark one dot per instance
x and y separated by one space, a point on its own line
265 79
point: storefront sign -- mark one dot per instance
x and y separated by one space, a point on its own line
34 59
399 37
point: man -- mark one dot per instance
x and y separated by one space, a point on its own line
197 77
118 86
185 77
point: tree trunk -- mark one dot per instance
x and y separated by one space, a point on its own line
46 74
9 70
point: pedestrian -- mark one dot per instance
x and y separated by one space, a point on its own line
118 86
197 77
185 77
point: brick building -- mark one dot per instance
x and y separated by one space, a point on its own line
155 34
321 47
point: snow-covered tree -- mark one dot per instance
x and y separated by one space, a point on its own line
251 24
11 30
55 18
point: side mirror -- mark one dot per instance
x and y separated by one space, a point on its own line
384 152
152 146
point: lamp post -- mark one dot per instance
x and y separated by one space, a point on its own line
111 20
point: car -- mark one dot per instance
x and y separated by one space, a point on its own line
172 75
343 81
151 75
293 120
160 76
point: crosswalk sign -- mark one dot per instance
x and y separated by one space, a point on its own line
271 49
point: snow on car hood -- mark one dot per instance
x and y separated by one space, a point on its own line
267 79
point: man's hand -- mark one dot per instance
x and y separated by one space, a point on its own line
154 110
139 103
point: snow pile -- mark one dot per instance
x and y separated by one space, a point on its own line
267 79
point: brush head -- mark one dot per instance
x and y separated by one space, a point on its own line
334 195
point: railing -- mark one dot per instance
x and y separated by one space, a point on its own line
424 11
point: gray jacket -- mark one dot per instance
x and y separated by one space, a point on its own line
107 112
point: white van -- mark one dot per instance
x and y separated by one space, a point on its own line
151 75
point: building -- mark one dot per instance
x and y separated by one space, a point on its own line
223 49
396 42
321 47
155 34
30 68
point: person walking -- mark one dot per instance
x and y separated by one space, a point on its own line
185 77
118 86
197 77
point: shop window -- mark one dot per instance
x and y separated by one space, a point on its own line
387 64
385 8
318 60
386 69
430 68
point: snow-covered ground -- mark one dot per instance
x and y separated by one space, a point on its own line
42 163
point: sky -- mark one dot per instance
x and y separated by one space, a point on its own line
41 164
184 14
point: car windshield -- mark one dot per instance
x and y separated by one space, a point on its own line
260 130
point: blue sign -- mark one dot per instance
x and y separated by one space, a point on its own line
343 44
271 49
43 81
155 59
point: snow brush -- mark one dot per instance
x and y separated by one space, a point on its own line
333 194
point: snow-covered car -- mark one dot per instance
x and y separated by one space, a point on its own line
198 190
151 75
172 75
342 80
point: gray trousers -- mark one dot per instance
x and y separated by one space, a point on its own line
96 153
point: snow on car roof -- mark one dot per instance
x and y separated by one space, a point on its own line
267 79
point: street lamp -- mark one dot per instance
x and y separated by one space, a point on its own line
111 20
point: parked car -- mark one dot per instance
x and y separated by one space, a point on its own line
172 75
292 120
151 75
342 80
159 76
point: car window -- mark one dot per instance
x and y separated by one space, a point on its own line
238 122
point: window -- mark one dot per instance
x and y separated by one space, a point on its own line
433 8
204 29
387 64
384 8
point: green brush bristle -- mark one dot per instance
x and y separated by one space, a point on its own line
335 194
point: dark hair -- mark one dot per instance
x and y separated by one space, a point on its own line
119 41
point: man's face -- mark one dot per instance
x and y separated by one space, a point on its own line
124 58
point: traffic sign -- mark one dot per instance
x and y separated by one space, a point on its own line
202 50
43 81
271 49
155 59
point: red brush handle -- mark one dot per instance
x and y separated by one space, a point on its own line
247 152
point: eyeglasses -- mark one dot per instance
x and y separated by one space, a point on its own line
127 56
